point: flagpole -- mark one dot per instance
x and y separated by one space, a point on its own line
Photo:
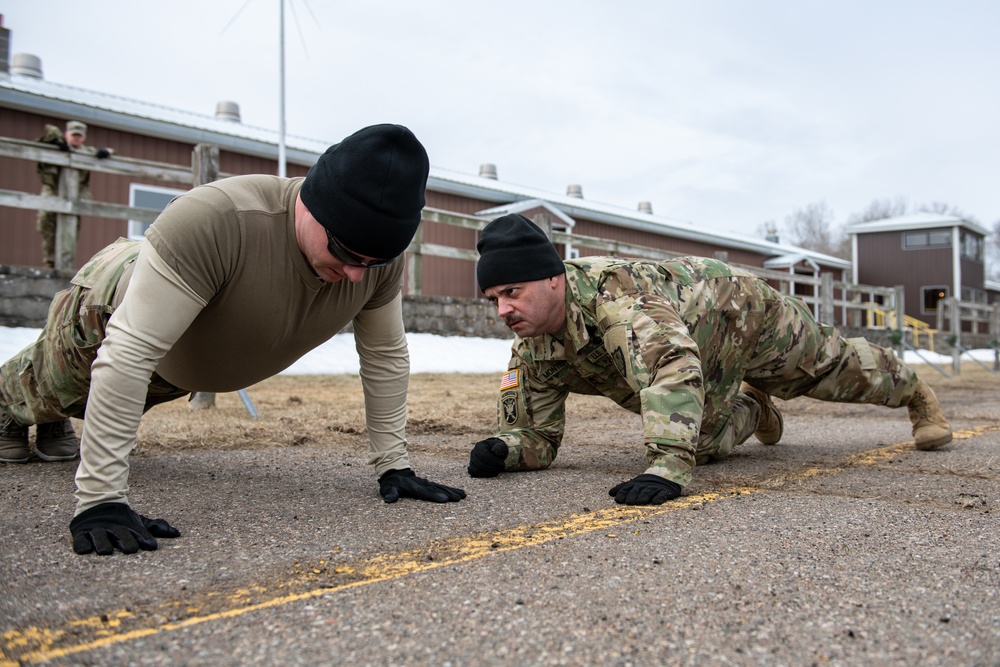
281 76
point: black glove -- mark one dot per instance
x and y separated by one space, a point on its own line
487 458
108 526
404 483
63 146
103 153
645 490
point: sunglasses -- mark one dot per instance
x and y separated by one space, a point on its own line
349 258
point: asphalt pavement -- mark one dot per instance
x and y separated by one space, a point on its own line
840 546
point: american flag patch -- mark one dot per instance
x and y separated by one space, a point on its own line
509 380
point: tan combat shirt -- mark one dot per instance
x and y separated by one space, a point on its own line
221 297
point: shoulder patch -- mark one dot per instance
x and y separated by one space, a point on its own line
510 379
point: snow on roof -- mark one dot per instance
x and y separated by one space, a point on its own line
41 96
915 221
525 205
788 261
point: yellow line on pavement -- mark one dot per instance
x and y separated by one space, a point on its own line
40 644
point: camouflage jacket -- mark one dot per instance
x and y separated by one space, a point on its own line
667 340
49 173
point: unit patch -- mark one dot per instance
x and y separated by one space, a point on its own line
508 401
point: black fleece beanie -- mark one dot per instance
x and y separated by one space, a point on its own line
512 249
368 190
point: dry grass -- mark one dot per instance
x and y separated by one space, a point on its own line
315 410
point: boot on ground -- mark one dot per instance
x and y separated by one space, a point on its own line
771 425
57 441
930 428
13 440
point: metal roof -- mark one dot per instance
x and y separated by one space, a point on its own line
525 205
45 97
915 221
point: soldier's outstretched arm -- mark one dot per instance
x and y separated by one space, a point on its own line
380 339
531 418
156 310
661 362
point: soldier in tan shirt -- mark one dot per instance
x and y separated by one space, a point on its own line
235 281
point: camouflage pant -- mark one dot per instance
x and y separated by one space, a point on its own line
823 365
47 225
49 380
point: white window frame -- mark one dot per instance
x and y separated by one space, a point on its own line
137 228
923 297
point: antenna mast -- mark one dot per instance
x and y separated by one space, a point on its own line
281 97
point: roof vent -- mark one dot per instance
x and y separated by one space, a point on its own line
488 170
228 111
26 64
771 232
646 207
574 191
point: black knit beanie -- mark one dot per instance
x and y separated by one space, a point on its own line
368 190
512 249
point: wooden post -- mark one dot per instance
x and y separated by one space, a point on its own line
67 224
956 334
995 334
204 164
899 308
204 169
826 298
543 222
415 269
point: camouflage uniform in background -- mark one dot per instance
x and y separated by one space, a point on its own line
672 341
49 176
50 379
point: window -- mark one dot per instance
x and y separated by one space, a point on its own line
972 247
974 295
930 296
933 239
147 196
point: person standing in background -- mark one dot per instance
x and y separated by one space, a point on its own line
73 139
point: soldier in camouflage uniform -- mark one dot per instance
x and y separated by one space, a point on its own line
693 345
71 140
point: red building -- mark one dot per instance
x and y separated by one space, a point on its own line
933 256
151 132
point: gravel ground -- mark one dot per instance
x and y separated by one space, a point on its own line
840 546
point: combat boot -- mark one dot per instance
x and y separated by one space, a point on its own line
930 428
771 425
57 441
13 440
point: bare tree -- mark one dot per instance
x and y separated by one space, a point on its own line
993 253
812 227
880 209
946 209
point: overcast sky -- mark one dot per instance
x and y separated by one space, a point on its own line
725 113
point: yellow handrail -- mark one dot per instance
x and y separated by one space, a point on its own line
885 318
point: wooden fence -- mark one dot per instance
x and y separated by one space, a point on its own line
858 305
